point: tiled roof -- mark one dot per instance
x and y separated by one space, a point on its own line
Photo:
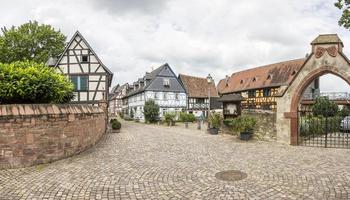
197 86
273 75
230 98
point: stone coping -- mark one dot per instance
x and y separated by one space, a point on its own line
47 109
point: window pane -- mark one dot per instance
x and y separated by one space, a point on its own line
74 80
84 83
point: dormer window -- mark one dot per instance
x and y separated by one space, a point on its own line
254 79
84 58
269 77
294 72
166 82
241 82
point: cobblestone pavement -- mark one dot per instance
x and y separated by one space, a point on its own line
153 162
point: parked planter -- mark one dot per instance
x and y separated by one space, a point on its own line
246 135
213 131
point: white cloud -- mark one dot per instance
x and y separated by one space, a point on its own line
194 36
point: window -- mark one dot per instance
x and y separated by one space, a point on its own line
166 82
241 82
164 96
176 96
80 82
251 93
84 58
267 92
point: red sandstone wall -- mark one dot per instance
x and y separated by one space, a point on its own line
40 133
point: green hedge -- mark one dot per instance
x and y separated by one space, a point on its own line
314 126
30 82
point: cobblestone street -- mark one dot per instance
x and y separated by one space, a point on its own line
154 162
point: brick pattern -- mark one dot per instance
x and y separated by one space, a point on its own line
41 133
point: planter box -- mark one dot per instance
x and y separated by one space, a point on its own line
213 131
246 136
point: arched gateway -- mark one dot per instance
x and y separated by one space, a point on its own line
326 58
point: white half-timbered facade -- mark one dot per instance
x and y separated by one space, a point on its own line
91 78
160 85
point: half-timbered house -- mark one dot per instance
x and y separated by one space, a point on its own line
115 99
260 86
160 85
91 78
198 91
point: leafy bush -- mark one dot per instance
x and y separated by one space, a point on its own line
244 124
170 118
344 112
215 120
116 125
30 82
151 111
324 107
228 122
187 117
318 125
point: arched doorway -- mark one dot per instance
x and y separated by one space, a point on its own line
318 130
326 58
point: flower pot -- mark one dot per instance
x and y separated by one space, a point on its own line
213 131
246 135
115 131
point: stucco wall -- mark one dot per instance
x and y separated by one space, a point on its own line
41 133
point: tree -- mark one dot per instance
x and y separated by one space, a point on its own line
324 107
29 82
344 6
30 41
151 111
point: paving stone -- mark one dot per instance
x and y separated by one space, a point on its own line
157 162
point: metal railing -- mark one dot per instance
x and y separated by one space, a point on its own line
331 95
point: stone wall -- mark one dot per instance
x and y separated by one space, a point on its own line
266 124
41 133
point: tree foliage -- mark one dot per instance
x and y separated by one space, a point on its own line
344 6
29 82
30 41
151 111
324 107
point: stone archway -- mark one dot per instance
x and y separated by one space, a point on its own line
326 58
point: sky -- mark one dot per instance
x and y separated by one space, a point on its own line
194 37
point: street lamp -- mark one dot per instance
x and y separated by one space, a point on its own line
209 80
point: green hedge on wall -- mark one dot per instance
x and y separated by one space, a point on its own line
30 82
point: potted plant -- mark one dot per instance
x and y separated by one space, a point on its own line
215 122
245 126
116 125
170 118
186 118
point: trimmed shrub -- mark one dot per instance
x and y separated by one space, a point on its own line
187 117
151 111
116 125
30 82
170 118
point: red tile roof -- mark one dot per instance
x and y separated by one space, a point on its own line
197 86
273 75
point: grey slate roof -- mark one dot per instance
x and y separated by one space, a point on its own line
156 81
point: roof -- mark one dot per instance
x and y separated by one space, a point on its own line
77 33
197 86
231 98
327 39
273 75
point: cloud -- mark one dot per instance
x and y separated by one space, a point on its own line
194 36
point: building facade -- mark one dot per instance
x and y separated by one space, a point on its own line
116 99
198 91
91 78
160 85
260 86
